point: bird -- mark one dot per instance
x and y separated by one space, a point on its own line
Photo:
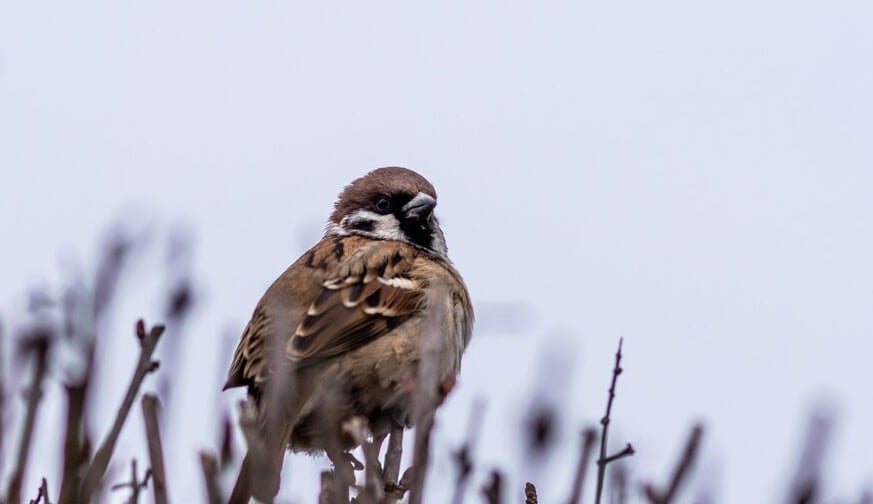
346 331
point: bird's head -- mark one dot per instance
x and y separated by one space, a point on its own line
390 204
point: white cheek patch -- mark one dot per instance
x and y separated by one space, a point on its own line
385 227
364 222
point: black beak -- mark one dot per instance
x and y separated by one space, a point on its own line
419 207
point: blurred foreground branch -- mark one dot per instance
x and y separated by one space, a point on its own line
37 343
148 341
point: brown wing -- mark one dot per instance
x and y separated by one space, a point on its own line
247 367
344 292
362 298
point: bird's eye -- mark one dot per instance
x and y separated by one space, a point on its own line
383 204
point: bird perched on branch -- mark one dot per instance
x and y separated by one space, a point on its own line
349 330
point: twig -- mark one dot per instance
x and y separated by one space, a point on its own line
463 457
42 494
374 486
343 471
626 452
267 431
391 470
679 472
210 477
530 494
76 445
604 460
619 483
38 343
146 365
117 249
374 489
135 485
806 485
156 454
393 454
79 329
493 491
227 451
179 301
430 350
2 395
258 475
326 494
589 437
421 455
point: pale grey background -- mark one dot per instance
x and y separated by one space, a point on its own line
693 176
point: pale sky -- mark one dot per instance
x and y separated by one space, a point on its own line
695 177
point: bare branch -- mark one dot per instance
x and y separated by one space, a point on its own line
618 482
79 329
326 494
227 451
148 343
391 470
589 437
679 472
429 386
258 475
463 457
493 491
156 454
37 343
42 495
374 487
343 471
626 452
806 484
2 394
393 454
604 460
135 485
210 477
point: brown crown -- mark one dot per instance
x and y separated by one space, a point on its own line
389 181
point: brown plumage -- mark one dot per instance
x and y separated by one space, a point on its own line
338 334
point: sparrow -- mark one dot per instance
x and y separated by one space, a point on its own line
346 330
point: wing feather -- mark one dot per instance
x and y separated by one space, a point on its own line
364 297
353 299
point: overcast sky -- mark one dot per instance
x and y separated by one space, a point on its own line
696 177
